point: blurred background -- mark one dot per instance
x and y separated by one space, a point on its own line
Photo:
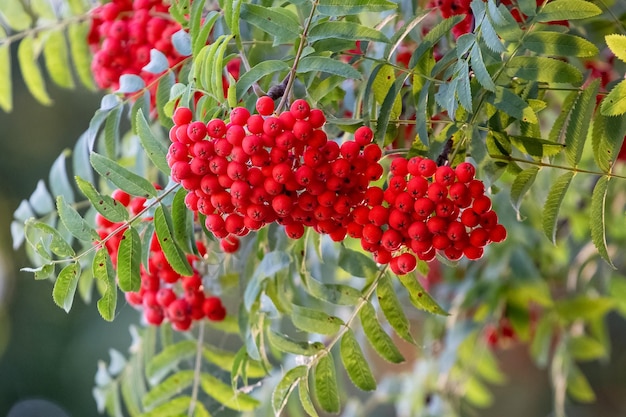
48 358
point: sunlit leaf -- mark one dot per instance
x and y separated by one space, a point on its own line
285 344
169 358
567 10
617 45
614 104
578 386
65 286
345 30
419 297
345 7
543 69
325 385
597 220
355 363
164 231
6 85
129 261
224 394
286 385
14 15
559 44
585 348
81 56
31 73
55 52
380 341
175 407
165 390
393 309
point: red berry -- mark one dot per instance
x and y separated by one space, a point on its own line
363 136
300 109
265 106
182 115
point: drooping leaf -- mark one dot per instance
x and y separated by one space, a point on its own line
129 261
168 359
559 44
226 360
44 271
347 7
327 65
522 183
567 10
578 386
315 321
58 179
355 363
583 307
339 294
553 204
479 68
536 147
393 309
74 222
543 69
200 36
614 104
105 205
345 30
433 36
285 344
55 52
31 73
356 263
162 97
325 385
287 384
607 139
383 82
165 390
176 407
155 148
513 105
40 200
380 341
271 264
15 15
419 297
280 23
164 231
305 398
121 177
112 132
81 56
224 394
57 245
103 271
597 220
578 124
585 348
6 85
65 286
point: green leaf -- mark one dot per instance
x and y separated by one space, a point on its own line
257 72
327 65
81 56
224 394
15 15
168 359
356 263
617 290
31 73
617 45
103 271
200 38
325 384
543 69
338 294
278 22
553 204
476 393
129 261
522 183
182 221
43 272
287 384
345 30
271 264
155 148
583 307
121 177
479 68
383 82
315 321
57 245
171 386
419 297
536 147
567 10
55 52
607 138
285 344
162 97
164 230
559 44
112 131
433 36
346 7
176 407
380 341
74 222
225 359
58 179
355 363
597 220
578 386
393 309
585 348
305 398
513 105
105 205
6 85
578 123
614 104
65 286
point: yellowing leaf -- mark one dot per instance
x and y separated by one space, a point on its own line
31 71
382 84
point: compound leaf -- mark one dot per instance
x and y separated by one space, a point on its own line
553 204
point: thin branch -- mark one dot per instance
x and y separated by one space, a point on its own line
196 370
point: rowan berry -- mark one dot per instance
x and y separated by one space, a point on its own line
216 128
265 106
427 167
497 234
230 244
214 309
465 172
481 204
239 116
300 109
372 152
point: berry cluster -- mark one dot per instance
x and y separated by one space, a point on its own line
263 168
164 293
426 209
122 34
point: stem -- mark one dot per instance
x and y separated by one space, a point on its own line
296 60
53 26
196 371
565 168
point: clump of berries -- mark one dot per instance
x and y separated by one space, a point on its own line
256 169
425 210
122 34
164 294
